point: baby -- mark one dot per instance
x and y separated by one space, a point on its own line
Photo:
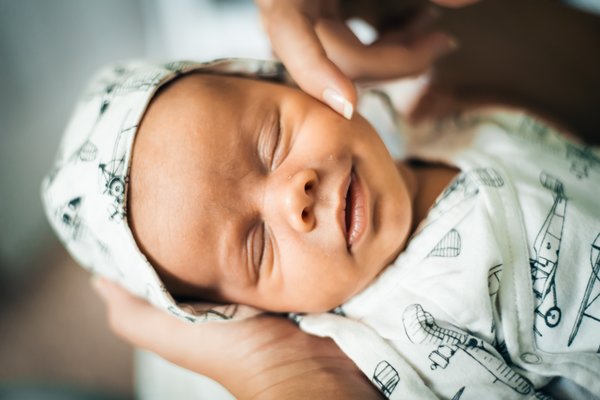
184 182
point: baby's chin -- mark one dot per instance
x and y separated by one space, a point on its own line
325 305
319 308
316 304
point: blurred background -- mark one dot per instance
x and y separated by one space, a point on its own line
53 332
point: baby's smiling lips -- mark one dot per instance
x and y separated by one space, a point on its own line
341 210
354 211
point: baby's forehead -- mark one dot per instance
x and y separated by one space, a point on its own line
200 123
193 153
196 87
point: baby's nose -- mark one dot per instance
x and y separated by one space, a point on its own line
299 199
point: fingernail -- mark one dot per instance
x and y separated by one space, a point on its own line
338 103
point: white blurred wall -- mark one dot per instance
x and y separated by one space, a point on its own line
47 51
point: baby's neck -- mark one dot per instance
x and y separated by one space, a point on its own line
425 182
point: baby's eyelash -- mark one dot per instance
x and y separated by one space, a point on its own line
258 247
269 141
276 147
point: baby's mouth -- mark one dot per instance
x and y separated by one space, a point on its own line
354 211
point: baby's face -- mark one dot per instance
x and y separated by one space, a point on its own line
253 192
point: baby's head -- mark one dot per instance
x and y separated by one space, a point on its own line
249 191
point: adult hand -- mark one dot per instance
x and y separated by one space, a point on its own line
260 358
324 56
548 67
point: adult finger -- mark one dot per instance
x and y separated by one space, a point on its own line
386 58
204 349
295 42
134 319
142 325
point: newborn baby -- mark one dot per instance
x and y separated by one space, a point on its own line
251 192
248 191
